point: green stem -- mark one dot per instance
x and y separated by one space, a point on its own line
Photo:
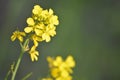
23 49
7 75
17 65
27 76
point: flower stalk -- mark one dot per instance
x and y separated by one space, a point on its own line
23 50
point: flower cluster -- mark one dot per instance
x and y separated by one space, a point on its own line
42 24
60 69
40 27
19 35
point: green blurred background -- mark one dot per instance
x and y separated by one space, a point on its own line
89 30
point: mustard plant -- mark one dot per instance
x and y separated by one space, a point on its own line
41 26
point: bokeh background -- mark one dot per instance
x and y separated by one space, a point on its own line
89 30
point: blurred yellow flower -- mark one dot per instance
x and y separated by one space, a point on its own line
50 61
34 53
47 78
61 69
19 35
55 72
58 61
64 78
70 61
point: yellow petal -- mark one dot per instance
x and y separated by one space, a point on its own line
22 33
48 39
58 61
33 48
37 7
49 59
34 11
50 11
55 72
32 57
20 38
52 32
28 29
38 32
30 21
13 37
35 57
37 53
39 39
70 61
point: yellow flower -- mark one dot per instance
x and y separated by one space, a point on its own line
50 12
37 10
49 31
33 53
54 20
42 23
61 69
44 15
19 35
